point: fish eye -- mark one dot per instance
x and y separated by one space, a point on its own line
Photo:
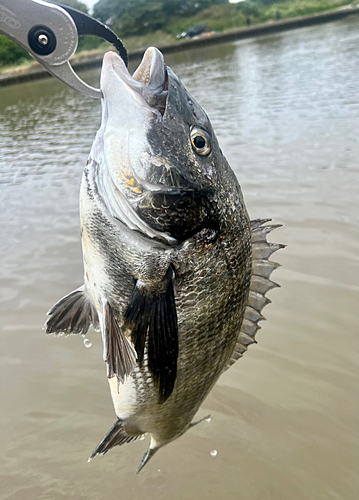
200 141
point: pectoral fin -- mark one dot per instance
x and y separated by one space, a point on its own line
74 313
152 318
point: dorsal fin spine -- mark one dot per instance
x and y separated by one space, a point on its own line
262 268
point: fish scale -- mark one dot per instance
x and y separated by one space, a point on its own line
175 273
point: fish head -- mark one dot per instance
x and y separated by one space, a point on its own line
156 148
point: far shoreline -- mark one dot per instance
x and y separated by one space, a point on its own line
37 73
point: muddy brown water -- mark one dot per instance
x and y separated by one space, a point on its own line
285 417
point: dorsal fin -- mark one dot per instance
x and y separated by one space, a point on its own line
260 285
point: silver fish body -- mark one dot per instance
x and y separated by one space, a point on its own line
170 275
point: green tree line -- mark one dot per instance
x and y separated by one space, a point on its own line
164 19
132 17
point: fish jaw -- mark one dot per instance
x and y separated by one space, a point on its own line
128 115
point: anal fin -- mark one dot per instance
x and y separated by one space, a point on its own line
260 285
116 436
74 313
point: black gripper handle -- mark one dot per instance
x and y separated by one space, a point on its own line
87 25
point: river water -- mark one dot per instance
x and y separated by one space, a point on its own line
285 417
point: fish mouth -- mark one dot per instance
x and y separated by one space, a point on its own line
148 84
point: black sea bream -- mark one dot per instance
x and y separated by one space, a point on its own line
175 272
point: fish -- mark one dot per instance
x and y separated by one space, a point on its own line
175 272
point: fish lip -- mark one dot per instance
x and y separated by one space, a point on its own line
149 81
112 61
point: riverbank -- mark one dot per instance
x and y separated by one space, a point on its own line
34 71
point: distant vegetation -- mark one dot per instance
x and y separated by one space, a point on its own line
140 17
155 22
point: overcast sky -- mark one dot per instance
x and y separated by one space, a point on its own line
89 3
